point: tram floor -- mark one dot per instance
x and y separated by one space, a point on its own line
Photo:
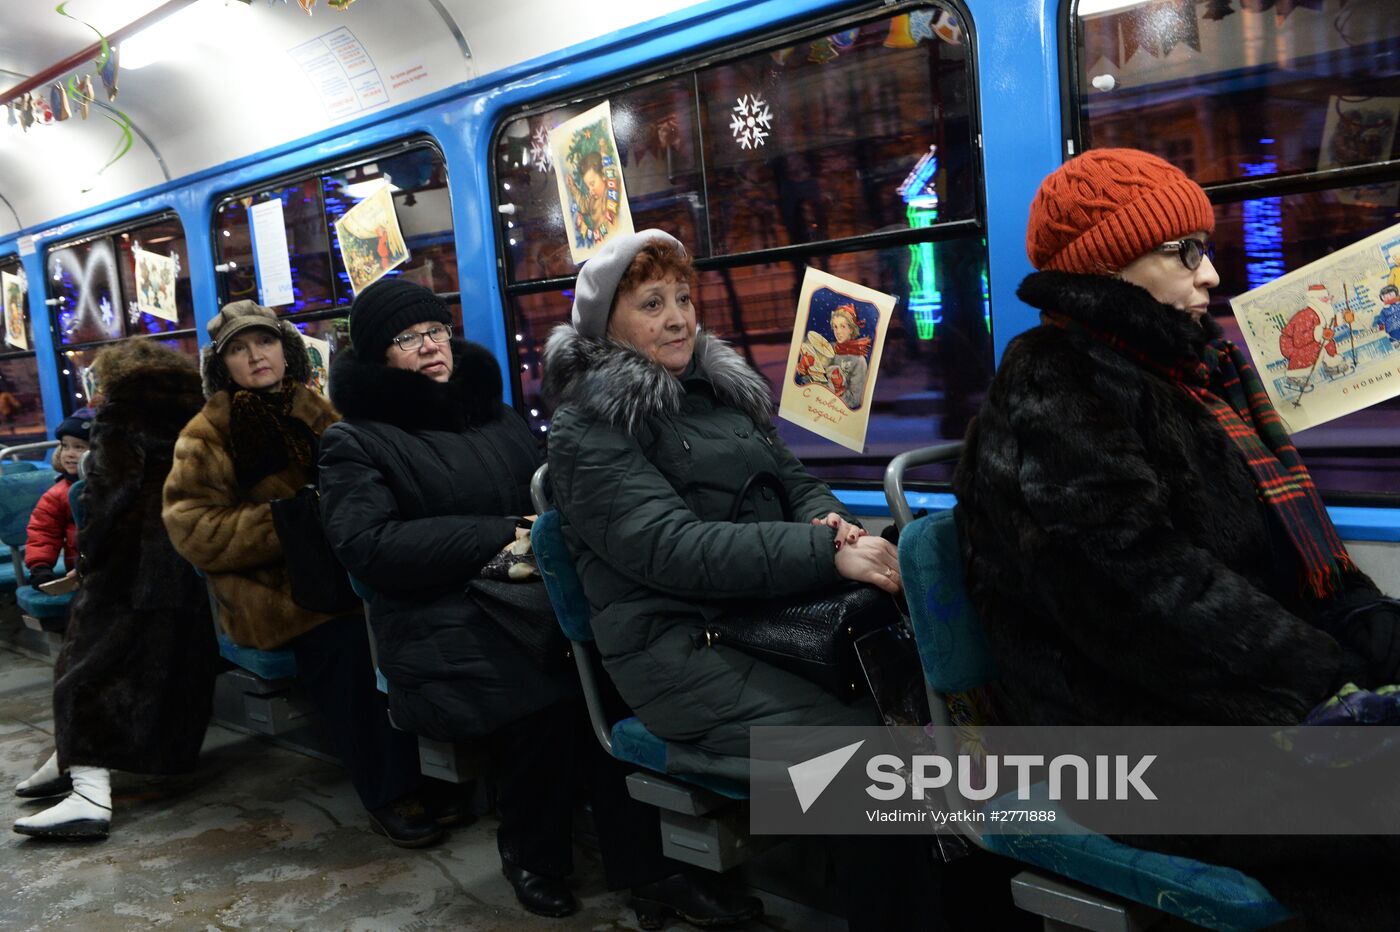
259 837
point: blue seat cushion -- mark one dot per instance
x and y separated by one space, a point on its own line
632 742
7 576
267 664
1207 895
38 604
560 578
952 646
19 493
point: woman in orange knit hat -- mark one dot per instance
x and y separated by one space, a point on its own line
1142 541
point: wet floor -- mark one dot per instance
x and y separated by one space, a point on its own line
260 837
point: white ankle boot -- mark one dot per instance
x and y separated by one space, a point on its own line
48 780
84 813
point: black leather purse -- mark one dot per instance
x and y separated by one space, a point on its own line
813 636
523 611
319 583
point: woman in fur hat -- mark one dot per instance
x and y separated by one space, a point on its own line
254 441
133 683
1142 541
424 482
658 429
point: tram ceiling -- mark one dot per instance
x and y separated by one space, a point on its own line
204 82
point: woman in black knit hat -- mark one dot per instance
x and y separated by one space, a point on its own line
421 484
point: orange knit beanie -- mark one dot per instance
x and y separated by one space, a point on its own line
1102 209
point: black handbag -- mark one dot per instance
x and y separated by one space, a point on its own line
318 582
813 636
523 611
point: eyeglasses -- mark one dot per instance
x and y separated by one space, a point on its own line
1189 251
408 342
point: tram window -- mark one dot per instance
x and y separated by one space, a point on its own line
21 402
95 282
1248 87
311 205
848 162
937 358
658 143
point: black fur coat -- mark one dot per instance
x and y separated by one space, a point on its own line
1113 541
133 683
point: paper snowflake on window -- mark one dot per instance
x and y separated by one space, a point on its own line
752 121
539 150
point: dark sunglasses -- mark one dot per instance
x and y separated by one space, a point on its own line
1189 251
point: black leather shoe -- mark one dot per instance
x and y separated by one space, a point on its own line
406 823
696 899
539 893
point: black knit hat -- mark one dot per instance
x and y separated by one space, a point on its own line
387 308
77 425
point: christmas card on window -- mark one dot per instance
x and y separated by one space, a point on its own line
834 356
155 284
370 241
1326 337
318 353
592 195
12 287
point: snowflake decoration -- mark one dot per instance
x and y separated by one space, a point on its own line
752 122
539 150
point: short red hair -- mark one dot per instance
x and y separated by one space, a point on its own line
656 261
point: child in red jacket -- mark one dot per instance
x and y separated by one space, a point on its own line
51 528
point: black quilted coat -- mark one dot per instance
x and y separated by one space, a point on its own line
419 484
645 468
133 684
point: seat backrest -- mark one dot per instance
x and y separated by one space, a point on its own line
561 578
952 645
19 493
75 502
13 466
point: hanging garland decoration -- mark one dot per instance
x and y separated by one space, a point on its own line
80 87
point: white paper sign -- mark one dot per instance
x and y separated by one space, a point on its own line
270 259
342 72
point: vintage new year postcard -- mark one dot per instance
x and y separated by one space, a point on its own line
1326 337
13 287
370 241
589 173
155 284
834 356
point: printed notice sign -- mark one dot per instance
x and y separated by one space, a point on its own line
1326 337
342 72
270 259
837 341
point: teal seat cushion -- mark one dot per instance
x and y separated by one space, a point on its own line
7 576
41 605
952 646
632 742
10 467
19 493
560 578
1214 897
267 664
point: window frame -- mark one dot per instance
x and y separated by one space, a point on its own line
110 232
691 64
1220 193
317 171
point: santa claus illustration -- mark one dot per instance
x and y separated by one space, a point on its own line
1309 334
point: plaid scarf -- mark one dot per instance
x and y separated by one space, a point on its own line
1250 421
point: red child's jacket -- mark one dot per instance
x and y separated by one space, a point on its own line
51 529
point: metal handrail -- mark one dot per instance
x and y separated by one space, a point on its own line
14 451
894 475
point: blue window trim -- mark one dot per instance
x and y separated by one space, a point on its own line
1353 523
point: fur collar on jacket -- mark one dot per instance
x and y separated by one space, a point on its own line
373 391
615 383
215 370
1123 310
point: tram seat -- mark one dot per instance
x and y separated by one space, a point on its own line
19 493
956 659
451 762
700 821
41 611
10 467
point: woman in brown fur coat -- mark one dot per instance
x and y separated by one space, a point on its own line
256 440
